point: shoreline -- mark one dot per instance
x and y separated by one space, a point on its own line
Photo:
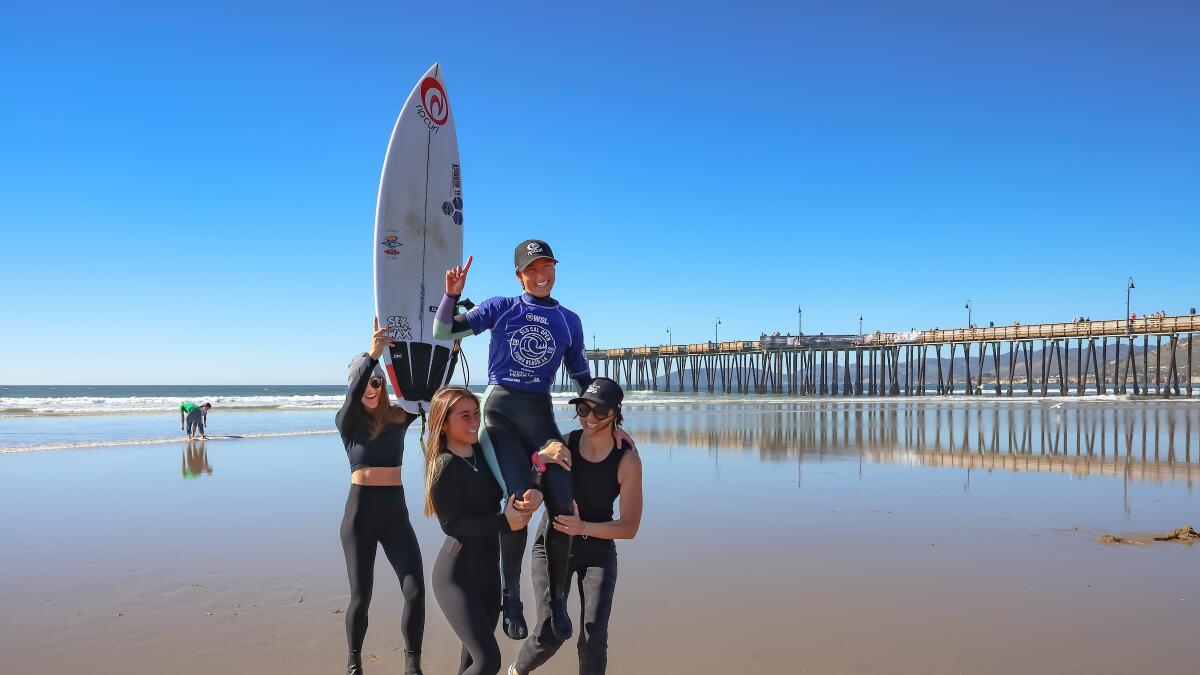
636 399
160 441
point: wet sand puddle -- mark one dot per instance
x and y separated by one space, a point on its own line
806 537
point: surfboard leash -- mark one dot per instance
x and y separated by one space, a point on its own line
466 305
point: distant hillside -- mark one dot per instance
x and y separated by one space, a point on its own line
1071 361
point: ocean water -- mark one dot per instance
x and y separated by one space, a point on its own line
35 418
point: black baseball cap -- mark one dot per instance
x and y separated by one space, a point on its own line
530 250
602 391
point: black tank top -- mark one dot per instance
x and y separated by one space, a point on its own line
594 484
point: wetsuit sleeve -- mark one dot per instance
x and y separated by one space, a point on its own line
447 494
358 385
447 325
575 359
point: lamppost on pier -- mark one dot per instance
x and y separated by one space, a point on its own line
1128 321
799 321
716 331
593 341
968 308
860 325
670 339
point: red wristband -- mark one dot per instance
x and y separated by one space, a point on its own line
537 463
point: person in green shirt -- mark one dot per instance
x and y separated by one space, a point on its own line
194 417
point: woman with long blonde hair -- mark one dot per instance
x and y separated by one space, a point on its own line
372 430
464 495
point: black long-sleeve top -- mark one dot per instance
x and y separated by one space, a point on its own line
386 449
466 496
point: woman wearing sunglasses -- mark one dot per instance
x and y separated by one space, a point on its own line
602 469
372 429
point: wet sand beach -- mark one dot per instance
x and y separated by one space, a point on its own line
843 537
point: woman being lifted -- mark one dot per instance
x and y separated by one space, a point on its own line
532 336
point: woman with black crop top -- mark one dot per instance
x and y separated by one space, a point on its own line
373 432
601 472
461 491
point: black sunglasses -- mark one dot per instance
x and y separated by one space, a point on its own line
375 382
600 412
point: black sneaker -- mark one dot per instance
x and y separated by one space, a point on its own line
354 664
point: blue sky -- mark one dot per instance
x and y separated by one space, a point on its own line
187 192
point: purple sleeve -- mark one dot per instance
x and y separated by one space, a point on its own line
576 360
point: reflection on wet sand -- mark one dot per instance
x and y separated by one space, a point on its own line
195 459
1149 442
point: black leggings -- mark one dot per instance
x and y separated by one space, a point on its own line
378 516
515 425
466 584
594 564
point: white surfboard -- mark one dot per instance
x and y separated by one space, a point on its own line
418 236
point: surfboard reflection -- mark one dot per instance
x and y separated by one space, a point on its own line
1143 442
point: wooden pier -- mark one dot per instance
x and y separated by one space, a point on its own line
1048 359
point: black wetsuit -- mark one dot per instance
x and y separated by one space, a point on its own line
530 338
377 516
593 562
466 579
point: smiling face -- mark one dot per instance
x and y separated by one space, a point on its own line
373 393
462 423
538 278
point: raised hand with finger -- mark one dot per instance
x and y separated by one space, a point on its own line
456 278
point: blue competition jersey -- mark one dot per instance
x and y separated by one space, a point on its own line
530 339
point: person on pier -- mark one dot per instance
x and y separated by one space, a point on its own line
532 335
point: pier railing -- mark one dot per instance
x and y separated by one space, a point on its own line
911 363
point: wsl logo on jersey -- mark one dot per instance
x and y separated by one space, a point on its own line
531 346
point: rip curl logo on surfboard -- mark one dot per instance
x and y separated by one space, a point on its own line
391 244
434 108
531 346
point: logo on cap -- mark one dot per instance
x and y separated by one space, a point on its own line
593 388
534 247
